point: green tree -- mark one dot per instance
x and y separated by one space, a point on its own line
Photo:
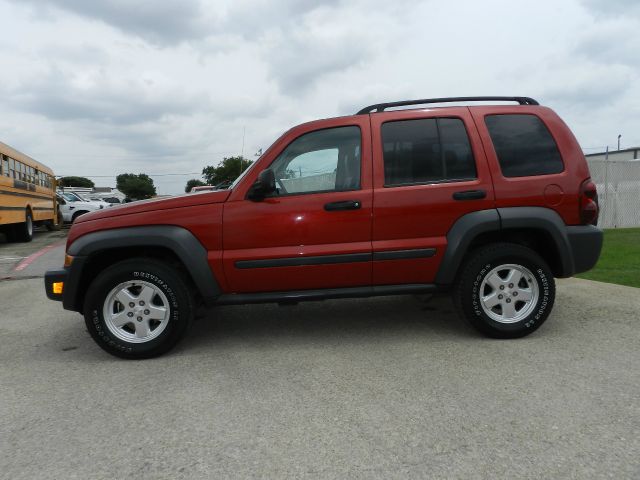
227 171
194 182
75 182
134 186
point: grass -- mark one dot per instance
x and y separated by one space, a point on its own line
620 258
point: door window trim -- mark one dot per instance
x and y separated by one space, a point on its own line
295 194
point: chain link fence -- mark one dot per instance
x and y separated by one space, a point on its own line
618 183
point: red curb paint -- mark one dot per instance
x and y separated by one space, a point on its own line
29 260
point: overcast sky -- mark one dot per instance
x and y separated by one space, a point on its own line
110 86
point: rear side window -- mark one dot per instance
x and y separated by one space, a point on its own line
426 150
524 145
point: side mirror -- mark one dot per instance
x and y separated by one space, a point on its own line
263 186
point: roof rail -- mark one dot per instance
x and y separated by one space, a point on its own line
380 107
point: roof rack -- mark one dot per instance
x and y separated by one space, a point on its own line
380 107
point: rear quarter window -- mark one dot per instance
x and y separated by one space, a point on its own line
524 145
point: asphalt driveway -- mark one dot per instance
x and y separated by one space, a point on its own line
393 387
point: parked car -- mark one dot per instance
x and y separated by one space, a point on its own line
487 202
72 206
81 198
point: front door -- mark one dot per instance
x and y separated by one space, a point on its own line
315 231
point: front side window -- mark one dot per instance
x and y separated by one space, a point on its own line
426 150
320 161
524 145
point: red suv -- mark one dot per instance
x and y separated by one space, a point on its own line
488 202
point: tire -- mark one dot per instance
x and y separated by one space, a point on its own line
56 223
505 290
77 214
22 232
142 283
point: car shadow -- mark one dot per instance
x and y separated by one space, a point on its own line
355 320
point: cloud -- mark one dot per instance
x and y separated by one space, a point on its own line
613 41
307 59
617 8
163 22
101 87
599 87
97 97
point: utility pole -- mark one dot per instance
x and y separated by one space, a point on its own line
619 136
244 130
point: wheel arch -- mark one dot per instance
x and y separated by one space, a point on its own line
538 228
175 245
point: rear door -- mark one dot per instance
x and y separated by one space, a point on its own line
429 170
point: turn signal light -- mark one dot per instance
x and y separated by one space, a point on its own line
57 288
68 260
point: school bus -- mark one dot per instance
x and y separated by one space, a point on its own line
27 195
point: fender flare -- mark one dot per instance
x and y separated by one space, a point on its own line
459 238
545 219
180 241
469 226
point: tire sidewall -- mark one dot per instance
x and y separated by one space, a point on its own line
162 277
20 231
471 292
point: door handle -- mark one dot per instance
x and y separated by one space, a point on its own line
343 205
470 195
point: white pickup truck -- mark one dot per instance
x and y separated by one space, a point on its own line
72 206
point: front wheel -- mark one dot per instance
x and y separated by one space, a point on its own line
505 291
77 214
138 308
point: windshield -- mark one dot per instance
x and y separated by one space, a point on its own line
71 198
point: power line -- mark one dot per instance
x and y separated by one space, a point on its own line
149 174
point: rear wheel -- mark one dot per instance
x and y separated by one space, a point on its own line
138 308
56 222
22 232
505 291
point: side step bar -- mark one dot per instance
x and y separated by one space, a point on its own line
324 294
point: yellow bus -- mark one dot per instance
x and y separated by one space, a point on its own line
27 195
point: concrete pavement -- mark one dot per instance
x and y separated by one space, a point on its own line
32 259
393 387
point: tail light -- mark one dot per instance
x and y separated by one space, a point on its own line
589 208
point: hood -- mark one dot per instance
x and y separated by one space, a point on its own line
154 204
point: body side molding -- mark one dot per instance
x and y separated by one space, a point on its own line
324 294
